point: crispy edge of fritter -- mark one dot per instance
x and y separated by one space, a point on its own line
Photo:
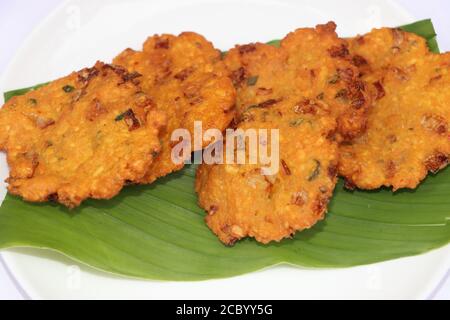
383 55
47 185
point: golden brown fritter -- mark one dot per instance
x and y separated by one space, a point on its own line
82 136
407 132
308 89
322 69
186 78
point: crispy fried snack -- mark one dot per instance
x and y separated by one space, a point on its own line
309 90
82 136
320 68
186 78
407 132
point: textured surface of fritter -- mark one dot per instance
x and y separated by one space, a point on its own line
407 132
187 79
320 67
309 90
82 136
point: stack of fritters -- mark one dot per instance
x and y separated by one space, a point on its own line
389 97
373 109
88 134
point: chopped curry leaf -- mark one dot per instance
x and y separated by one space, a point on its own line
121 116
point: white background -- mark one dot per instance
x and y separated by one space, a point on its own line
19 17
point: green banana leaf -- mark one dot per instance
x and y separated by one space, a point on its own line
157 231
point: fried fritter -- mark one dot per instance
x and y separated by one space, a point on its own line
407 132
187 79
309 90
82 136
320 66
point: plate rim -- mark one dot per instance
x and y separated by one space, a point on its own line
432 287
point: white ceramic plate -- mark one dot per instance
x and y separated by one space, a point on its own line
80 32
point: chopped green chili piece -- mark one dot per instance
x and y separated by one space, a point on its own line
252 81
296 122
315 172
68 88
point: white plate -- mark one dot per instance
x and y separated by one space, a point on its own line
80 32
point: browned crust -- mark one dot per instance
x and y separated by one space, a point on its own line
81 136
310 90
407 130
186 78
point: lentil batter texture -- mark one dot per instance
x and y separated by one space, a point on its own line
407 130
308 89
187 79
81 136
